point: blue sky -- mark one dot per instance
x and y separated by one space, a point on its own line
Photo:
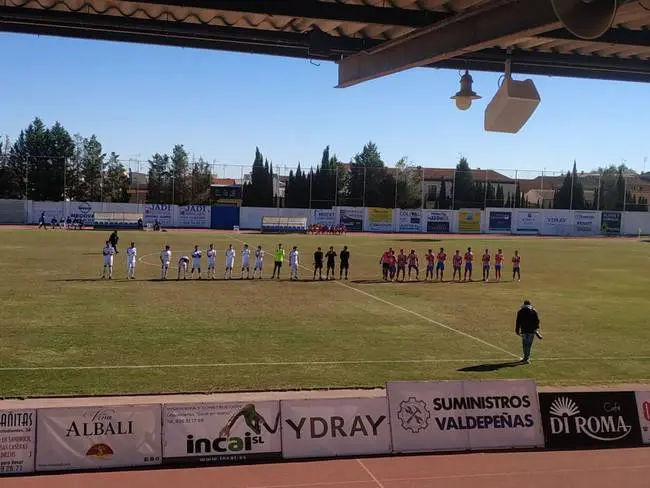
143 99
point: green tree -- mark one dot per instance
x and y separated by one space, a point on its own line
92 170
408 183
499 198
443 200
116 180
159 190
179 173
201 179
462 188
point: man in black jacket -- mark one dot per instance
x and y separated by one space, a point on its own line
527 328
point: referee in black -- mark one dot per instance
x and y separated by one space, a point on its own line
344 256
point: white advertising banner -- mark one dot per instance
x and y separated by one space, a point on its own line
17 441
643 406
98 437
323 217
335 427
221 433
556 222
161 212
410 221
586 223
194 216
528 221
438 221
462 415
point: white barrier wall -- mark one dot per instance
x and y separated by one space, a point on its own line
13 211
633 221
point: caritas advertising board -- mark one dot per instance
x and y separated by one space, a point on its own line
161 212
335 427
590 419
98 437
463 415
221 433
194 216
643 406
17 441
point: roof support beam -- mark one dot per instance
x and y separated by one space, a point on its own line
458 35
623 37
317 10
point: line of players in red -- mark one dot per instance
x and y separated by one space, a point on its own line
395 264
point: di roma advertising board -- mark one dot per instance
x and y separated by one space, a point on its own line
462 415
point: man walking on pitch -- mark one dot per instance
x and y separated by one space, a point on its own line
113 239
527 328
279 258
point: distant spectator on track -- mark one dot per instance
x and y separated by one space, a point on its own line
527 327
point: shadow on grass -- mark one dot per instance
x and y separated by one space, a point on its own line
486 368
416 240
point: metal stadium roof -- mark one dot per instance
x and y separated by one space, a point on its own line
368 38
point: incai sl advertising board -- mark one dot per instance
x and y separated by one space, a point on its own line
335 427
221 433
98 437
462 415
17 441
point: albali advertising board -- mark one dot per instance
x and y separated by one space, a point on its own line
98 437
528 221
464 415
17 441
163 213
221 433
469 221
643 407
438 221
590 419
351 218
197 216
323 217
335 427
410 221
380 219
500 221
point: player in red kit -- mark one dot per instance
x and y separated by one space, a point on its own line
440 267
431 261
401 264
469 260
516 266
458 262
486 265
414 263
385 264
498 264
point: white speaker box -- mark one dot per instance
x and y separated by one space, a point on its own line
512 106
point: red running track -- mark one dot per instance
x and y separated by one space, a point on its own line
629 468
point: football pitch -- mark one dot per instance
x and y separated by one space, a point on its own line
63 331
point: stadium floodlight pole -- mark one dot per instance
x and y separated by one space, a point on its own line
453 192
512 200
571 199
600 176
311 173
65 163
27 176
422 188
624 192
395 205
336 186
363 197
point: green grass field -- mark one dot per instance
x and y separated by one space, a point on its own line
63 331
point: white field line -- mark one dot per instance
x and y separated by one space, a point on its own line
309 363
420 316
367 470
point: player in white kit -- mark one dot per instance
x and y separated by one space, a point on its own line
293 262
212 261
259 261
196 261
165 259
245 266
183 263
230 261
108 253
131 254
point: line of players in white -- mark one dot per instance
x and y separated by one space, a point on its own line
109 253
